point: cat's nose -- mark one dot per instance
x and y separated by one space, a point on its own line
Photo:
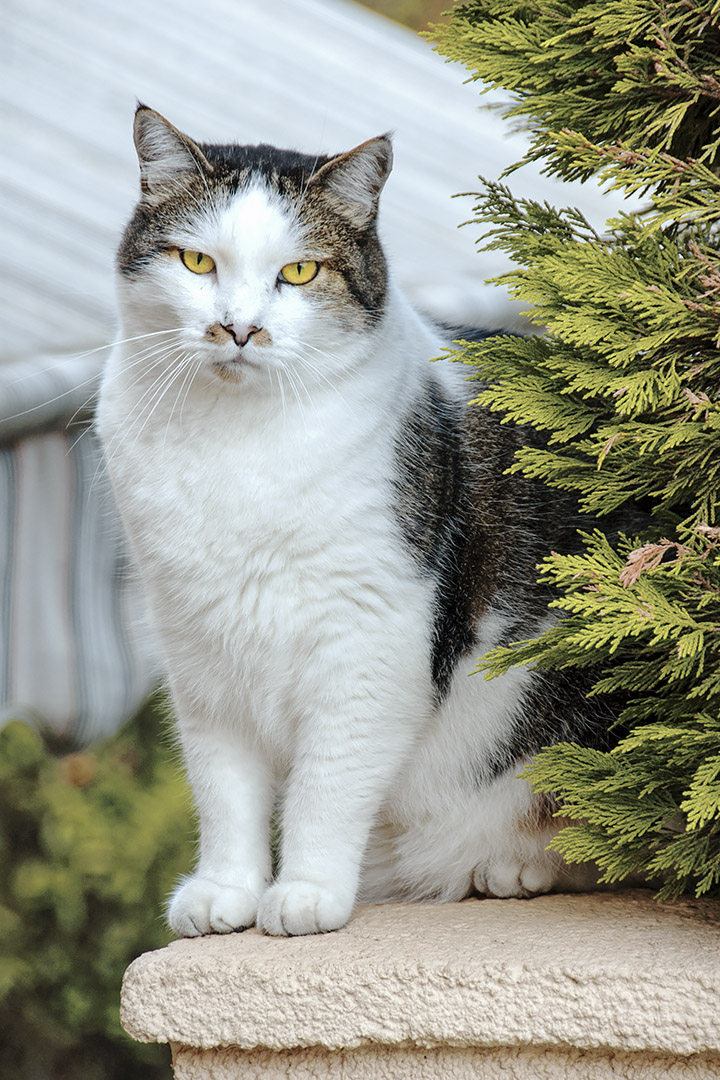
240 334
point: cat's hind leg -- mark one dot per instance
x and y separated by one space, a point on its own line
490 839
517 862
519 877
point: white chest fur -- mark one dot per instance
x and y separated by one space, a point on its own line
263 528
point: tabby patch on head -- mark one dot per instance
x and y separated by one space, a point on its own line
256 253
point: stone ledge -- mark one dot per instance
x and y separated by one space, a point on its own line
440 1063
603 976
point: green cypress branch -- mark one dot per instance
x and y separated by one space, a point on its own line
624 383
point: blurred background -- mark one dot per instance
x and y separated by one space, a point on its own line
95 821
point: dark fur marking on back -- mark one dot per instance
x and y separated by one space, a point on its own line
477 532
555 708
434 506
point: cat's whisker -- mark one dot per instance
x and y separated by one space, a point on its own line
158 353
302 365
189 386
118 442
160 386
155 353
292 372
281 388
323 377
61 361
149 334
58 397
151 396
163 379
293 386
184 362
95 378
137 360
187 379
79 435
315 370
158 362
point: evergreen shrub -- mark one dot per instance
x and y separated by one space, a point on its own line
624 381
90 844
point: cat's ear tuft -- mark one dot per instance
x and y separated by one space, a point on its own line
354 181
164 153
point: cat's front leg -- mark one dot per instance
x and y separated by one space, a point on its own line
334 792
232 787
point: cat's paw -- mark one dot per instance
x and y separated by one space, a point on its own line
301 907
515 878
201 906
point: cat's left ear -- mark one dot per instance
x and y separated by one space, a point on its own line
353 181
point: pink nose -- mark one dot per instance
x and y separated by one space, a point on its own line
241 334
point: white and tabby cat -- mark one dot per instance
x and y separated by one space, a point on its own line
327 542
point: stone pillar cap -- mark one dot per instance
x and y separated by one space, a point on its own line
614 971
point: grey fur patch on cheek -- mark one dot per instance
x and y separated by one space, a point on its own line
354 267
332 299
357 286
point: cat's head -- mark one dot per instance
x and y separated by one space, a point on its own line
254 259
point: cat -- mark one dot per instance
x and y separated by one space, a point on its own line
327 540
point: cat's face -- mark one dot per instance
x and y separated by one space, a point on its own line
253 261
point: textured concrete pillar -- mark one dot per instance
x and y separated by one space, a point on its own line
594 986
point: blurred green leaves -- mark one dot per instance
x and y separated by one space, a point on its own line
90 843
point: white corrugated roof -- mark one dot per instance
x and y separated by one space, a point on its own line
317 75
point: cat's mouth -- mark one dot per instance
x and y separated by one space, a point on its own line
233 370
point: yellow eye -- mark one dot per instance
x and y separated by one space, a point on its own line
299 273
197 262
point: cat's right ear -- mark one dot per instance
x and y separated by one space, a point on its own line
164 153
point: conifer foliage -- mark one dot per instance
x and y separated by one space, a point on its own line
625 384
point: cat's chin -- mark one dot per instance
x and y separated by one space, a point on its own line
233 370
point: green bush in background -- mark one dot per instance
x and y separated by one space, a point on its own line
90 845
625 384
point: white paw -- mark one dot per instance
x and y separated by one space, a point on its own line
515 878
200 906
301 907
